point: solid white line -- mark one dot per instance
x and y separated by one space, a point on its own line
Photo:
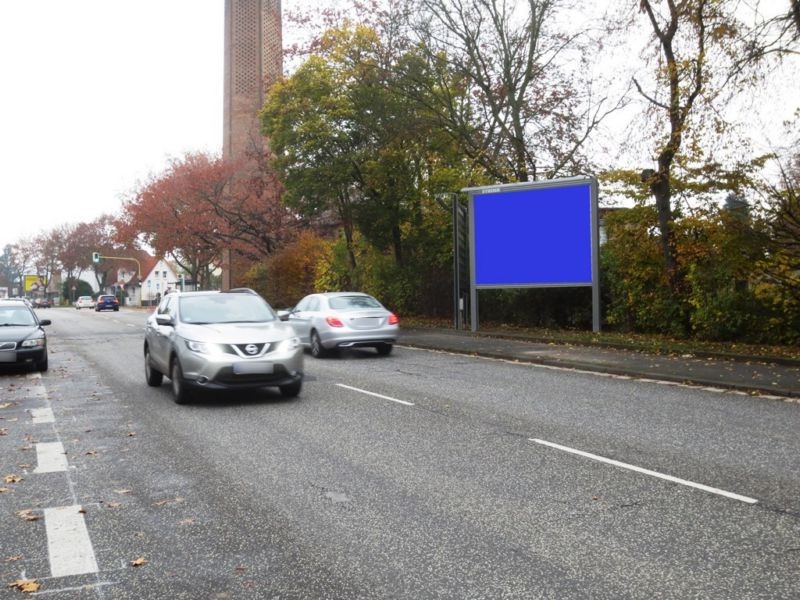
50 458
43 415
341 385
68 542
617 463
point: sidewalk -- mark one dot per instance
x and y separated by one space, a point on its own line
749 375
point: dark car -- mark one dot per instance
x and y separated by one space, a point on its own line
23 341
106 302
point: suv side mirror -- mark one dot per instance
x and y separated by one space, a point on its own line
165 320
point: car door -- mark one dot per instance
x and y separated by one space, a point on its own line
159 336
300 319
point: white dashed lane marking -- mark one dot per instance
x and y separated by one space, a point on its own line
347 387
68 543
623 465
50 458
43 415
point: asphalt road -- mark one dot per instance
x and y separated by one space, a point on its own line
419 475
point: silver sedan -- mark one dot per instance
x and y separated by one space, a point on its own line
329 321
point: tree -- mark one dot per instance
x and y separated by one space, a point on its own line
699 65
100 236
504 86
48 248
347 144
13 266
170 213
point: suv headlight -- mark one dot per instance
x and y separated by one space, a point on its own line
288 345
202 347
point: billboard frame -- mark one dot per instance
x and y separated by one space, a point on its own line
594 242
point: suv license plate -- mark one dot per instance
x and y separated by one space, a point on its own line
250 368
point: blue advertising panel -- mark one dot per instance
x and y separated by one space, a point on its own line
533 237
540 234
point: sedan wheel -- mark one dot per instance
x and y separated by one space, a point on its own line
317 349
179 391
154 378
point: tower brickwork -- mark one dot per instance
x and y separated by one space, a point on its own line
253 62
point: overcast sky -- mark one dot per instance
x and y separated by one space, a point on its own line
97 94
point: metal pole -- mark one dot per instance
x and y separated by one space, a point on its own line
456 283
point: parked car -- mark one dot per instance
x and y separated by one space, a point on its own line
106 302
230 340
18 299
329 321
84 302
23 340
41 303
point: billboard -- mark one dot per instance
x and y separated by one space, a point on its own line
33 283
539 234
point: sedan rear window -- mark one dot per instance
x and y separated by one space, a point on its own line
225 308
353 302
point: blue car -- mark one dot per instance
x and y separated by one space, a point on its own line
106 303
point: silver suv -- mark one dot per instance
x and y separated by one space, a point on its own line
228 340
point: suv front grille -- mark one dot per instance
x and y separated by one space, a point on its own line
248 350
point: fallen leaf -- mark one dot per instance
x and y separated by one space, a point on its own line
189 521
113 504
3 431
24 466
168 501
123 491
91 453
82 511
14 558
25 585
3 490
27 515
138 562
131 434
12 478
6 404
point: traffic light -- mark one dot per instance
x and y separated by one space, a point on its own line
95 257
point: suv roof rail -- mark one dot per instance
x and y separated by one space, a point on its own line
241 290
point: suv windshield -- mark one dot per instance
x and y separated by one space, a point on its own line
225 308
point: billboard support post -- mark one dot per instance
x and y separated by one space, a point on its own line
534 235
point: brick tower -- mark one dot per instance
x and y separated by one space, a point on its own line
253 62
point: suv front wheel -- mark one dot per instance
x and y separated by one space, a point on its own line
179 392
154 378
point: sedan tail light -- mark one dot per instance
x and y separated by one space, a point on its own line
334 322
393 320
